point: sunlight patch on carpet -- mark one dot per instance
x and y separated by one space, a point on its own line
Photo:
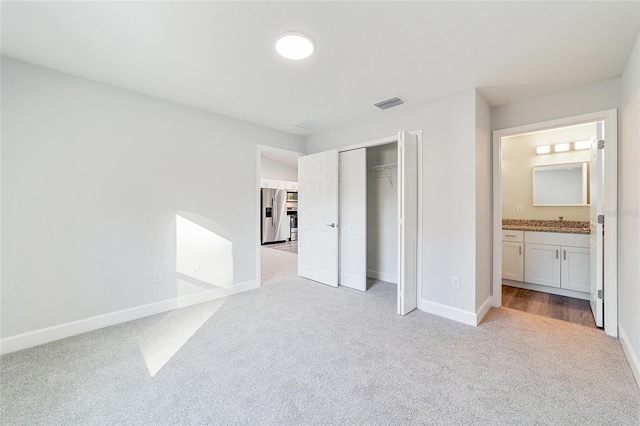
172 332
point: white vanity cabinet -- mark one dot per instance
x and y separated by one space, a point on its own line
557 260
513 255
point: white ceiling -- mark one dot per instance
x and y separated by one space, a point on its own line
220 56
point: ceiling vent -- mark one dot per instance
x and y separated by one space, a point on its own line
309 125
390 103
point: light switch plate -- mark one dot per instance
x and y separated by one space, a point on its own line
519 209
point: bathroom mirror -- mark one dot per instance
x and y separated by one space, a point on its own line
561 185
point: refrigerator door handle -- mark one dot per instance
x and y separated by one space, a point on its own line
273 223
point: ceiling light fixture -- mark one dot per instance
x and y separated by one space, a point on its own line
293 45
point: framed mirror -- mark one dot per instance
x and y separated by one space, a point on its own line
561 184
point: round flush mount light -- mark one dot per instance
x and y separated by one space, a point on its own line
293 45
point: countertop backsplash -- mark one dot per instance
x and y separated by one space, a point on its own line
567 226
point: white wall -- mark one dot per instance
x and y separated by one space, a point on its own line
449 171
272 169
92 178
518 159
484 175
594 97
382 214
629 212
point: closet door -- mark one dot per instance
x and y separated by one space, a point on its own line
318 217
353 219
407 222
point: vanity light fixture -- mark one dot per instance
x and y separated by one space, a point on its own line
581 145
543 149
294 45
561 147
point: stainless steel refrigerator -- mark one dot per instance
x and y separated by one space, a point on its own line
275 224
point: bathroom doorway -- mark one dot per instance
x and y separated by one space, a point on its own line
544 225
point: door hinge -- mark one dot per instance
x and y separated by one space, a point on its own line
600 295
601 219
600 144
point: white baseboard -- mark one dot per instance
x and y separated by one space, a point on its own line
632 356
483 309
57 332
455 314
382 276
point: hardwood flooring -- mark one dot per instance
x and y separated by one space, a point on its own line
548 305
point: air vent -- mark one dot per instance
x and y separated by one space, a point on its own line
309 125
390 103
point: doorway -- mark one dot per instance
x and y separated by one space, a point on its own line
551 245
276 211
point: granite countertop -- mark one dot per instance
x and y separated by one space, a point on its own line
569 227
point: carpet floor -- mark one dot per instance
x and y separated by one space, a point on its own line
295 352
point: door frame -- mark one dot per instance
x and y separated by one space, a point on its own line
259 150
610 118
394 139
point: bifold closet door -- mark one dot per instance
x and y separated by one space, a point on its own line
407 222
353 219
318 217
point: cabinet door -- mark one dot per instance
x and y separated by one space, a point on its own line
268 183
291 186
576 268
282 184
542 264
512 261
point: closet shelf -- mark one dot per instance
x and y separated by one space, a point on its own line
389 166
385 170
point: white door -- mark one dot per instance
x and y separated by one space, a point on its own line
575 268
407 222
353 219
512 261
596 250
542 264
318 217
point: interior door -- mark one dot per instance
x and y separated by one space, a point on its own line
318 217
353 219
407 222
596 236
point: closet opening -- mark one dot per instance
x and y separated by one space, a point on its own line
382 215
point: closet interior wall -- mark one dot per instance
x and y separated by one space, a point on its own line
382 212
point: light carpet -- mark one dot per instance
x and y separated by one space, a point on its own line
296 352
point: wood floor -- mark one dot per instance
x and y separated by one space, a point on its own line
548 305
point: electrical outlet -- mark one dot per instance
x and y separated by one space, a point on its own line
455 282
250 209
195 271
519 209
157 277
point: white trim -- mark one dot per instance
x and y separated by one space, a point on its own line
632 357
455 314
483 309
259 150
382 276
61 331
610 118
